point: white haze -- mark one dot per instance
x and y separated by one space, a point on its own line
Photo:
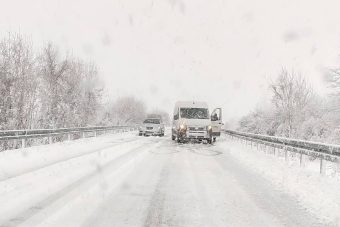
223 52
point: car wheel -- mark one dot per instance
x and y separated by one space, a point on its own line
173 137
140 134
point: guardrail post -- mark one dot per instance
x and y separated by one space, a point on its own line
302 160
23 142
286 154
95 133
83 135
322 166
69 136
338 165
50 139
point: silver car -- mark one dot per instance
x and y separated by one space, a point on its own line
152 126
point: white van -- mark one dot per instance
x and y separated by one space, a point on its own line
191 121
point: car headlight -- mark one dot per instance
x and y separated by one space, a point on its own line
183 127
209 128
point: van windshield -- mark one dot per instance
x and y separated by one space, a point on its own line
194 113
152 121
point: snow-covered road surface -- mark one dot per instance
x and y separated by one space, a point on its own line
126 180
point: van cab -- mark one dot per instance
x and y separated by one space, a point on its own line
192 121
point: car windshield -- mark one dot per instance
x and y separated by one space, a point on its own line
152 121
195 113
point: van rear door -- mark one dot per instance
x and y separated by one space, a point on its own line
216 122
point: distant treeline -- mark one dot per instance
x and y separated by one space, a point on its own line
49 89
296 111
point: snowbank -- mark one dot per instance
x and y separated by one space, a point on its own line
20 161
320 194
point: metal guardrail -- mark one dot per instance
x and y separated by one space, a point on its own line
23 135
328 152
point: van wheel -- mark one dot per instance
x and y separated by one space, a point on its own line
210 140
173 137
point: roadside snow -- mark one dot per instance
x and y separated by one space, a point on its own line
317 193
53 170
20 161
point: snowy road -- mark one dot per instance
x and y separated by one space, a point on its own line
126 180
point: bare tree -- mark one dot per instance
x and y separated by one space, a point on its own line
291 95
18 83
45 90
332 77
53 78
125 110
259 121
71 91
85 92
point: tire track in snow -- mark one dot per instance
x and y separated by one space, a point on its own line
30 170
73 187
155 210
277 203
133 196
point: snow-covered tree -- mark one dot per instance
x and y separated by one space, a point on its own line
18 83
53 72
291 96
45 90
296 111
70 90
125 111
87 103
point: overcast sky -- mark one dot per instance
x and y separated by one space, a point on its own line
161 51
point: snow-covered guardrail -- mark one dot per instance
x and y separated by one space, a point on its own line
328 152
23 135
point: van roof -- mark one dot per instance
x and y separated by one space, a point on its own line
191 104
